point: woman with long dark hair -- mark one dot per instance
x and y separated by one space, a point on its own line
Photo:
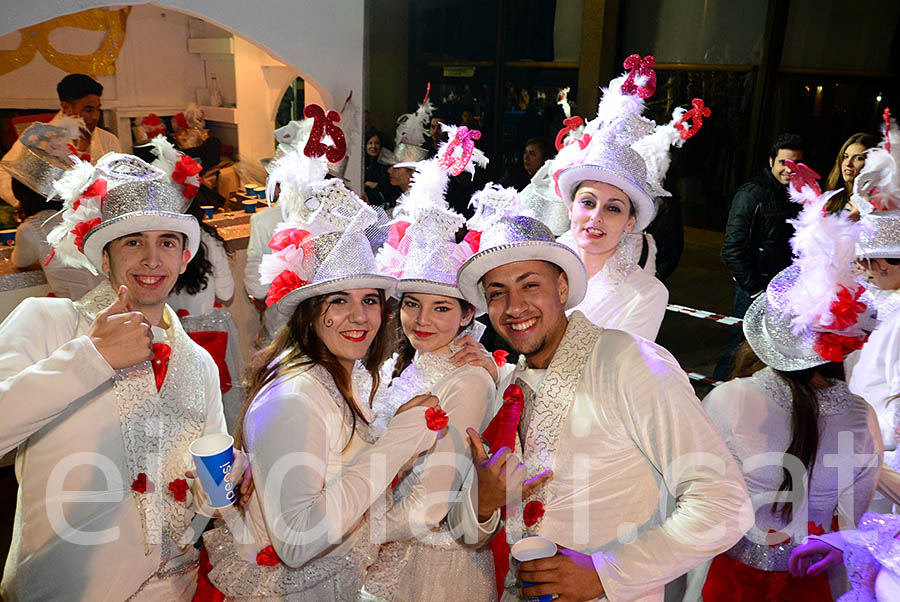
421 557
787 425
307 424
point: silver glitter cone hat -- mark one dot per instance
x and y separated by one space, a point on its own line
815 311
876 191
45 154
505 237
622 148
321 246
121 195
421 248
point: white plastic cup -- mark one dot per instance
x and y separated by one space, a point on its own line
213 459
532 548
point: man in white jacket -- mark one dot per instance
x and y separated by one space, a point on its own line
613 417
102 397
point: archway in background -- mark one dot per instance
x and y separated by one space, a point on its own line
321 42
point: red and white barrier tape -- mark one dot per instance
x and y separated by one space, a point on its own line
704 379
705 315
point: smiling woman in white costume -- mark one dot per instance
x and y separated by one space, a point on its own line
308 424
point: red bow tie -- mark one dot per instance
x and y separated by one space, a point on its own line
161 353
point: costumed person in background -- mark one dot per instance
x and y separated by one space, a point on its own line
422 560
205 285
106 393
875 373
44 157
79 96
798 410
376 177
608 184
307 424
849 162
408 149
870 554
583 386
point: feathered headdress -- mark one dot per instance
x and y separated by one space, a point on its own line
826 297
413 127
620 146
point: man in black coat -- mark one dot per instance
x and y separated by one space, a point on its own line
757 235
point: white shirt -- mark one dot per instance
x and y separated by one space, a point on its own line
102 142
634 435
622 295
313 487
262 227
876 375
754 417
32 247
220 283
59 407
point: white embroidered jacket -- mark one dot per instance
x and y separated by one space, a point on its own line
79 532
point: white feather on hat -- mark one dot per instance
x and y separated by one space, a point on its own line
413 127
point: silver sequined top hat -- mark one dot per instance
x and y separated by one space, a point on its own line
140 198
321 247
622 148
44 154
876 191
879 235
772 336
519 238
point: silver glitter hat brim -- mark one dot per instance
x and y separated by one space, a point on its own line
430 287
139 221
287 304
571 177
795 354
35 171
879 235
473 270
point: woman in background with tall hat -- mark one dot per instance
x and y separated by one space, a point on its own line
307 424
798 406
422 559
608 173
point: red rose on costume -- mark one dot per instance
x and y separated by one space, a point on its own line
179 488
436 419
533 512
473 238
268 557
846 309
284 283
500 356
833 347
81 230
814 529
141 484
180 121
288 237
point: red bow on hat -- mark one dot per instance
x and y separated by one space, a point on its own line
161 353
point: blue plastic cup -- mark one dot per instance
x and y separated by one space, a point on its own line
248 188
8 237
532 548
207 211
213 458
249 206
259 192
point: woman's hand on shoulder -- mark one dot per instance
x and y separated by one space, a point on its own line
474 353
